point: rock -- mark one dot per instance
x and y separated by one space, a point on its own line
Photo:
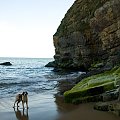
113 107
6 64
107 106
102 106
89 33
50 64
110 95
105 85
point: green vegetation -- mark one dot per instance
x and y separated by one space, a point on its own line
93 85
96 64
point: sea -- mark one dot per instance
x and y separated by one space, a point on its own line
31 75
25 74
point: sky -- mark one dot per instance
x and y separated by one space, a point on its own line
27 26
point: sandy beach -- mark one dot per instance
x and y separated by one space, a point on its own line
86 112
41 107
44 107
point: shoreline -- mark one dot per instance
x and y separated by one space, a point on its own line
48 108
83 112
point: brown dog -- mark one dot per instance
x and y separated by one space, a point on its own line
21 97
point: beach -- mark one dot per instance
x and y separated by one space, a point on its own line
40 107
86 112
42 86
43 107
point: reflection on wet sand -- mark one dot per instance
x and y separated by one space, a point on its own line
21 115
83 111
63 107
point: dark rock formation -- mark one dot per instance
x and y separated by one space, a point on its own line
50 64
89 33
6 63
102 106
110 95
113 106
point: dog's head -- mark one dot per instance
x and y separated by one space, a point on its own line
25 93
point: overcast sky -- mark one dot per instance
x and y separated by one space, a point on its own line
27 26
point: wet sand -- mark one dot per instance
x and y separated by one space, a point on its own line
86 112
45 107
41 107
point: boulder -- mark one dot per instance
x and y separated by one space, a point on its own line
113 107
102 106
50 64
6 63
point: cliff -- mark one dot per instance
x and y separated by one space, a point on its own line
89 34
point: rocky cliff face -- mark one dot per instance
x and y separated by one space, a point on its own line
89 33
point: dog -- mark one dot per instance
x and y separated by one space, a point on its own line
21 98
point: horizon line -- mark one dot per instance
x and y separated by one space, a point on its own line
30 57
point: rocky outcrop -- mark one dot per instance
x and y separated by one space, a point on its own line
99 87
6 64
113 106
88 34
50 64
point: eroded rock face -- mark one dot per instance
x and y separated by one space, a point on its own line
89 33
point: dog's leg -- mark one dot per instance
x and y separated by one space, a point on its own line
23 104
23 112
27 113
14 104
27 104
17 104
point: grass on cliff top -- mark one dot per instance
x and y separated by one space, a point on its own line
106 80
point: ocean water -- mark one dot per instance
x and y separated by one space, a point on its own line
41 83
28 74
25 75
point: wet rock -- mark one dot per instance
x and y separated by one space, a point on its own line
6 64
113 107
101 106
50 64
110 95
65 85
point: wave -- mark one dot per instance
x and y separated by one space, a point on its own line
21 83
30 75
